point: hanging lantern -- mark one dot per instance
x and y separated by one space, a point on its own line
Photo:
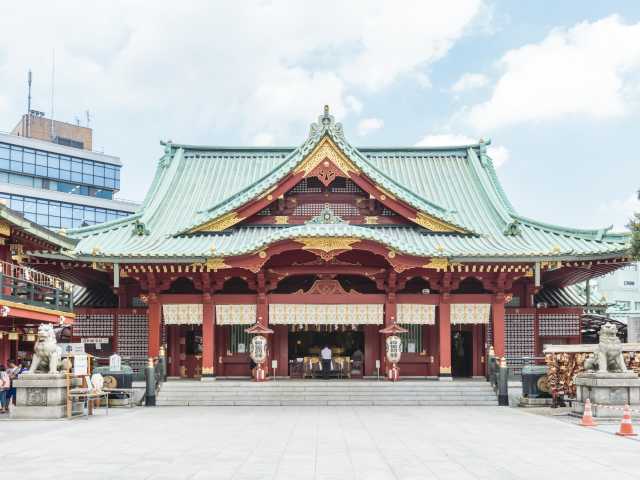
394 348
30 336
258 349
13 335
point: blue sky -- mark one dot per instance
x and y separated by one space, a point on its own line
555 85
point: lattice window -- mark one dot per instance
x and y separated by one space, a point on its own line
559 325
132 340
308 185
412 340
344 185
93 325
519 339
340 209
387 213
265 211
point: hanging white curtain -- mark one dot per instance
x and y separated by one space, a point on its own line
182 313
462 313
310 314
236 314
416 314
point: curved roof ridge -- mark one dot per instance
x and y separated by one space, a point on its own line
488 186
598 234
487 162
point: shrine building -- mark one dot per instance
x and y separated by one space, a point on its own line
327 244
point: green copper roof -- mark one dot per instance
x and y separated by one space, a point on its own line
194 184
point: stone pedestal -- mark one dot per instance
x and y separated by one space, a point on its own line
607 390
40 396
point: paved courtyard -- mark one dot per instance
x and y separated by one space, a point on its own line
367 443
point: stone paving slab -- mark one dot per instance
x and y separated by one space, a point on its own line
317 443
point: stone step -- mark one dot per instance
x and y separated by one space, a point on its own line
317 393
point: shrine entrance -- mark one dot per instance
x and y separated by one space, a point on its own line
461 353
346 344
184 355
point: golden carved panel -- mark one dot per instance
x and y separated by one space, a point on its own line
438 264
221 223
435 225
281 219
327 150
5 229
215 264
326 245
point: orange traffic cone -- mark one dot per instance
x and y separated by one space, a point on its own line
587 417
626 427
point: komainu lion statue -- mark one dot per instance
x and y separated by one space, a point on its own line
608 356
46 356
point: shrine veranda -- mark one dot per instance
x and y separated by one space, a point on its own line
327 243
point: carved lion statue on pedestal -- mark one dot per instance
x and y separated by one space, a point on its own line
608 357
46 357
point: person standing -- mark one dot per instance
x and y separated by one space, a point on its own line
5 383
325 357
13 372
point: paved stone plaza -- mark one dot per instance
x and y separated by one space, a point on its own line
299 443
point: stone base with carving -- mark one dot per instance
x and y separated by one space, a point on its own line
40 396
606 390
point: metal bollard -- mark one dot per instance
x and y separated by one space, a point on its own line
503 383
150 377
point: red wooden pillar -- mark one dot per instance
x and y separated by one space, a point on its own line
444 336
371 349
208 337
153 325
280 340
4 350
497 316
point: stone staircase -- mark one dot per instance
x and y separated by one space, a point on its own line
331 392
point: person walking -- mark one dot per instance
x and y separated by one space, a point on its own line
325 357
5 383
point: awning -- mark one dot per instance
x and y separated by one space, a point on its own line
182 313
415 313
465 313
310 314
236 314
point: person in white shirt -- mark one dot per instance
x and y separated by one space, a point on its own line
325 357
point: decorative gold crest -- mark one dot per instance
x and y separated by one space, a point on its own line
327 245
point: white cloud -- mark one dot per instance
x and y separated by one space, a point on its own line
202 72
263 139
498 153
469 81
368 125
590 69
620 211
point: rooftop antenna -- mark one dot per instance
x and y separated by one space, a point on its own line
88 114
29 78
53 83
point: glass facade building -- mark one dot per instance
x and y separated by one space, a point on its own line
58 186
